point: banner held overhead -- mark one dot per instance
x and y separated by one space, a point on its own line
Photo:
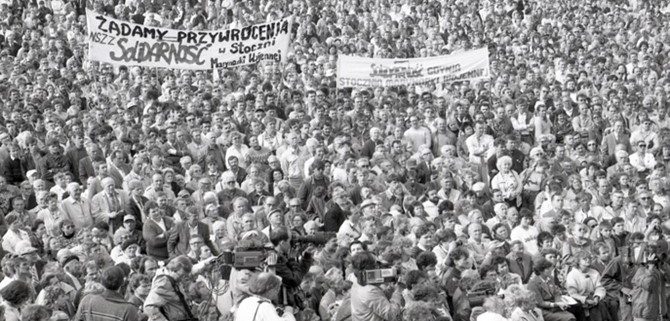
120 42
361 72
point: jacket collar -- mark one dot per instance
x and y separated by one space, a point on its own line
113 296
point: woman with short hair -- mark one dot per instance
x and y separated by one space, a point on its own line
264 288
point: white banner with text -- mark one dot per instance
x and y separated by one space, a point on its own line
361 72
124 43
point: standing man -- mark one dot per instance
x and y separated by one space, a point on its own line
110 304
479 144
178 242
293 161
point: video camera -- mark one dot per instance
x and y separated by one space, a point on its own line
243 259
380 276
248 259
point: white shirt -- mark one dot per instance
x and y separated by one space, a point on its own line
240 153
348 231
528 237
642 163
490 316
11 238
476 145
259 309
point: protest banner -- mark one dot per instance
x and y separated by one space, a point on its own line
361 72
124 43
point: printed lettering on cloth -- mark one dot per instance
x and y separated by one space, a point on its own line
361 72
124 43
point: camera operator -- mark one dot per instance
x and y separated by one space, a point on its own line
649 289
166 299
368 301
238 278
264 288
289 267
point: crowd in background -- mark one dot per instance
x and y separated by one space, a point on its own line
541 193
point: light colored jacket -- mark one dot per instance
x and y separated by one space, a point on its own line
368 303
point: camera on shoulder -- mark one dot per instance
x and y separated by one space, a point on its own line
380 276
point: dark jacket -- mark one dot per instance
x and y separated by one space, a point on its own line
524 271
108 306
132 208
178 242
157 246
53 164
307 189
74 155
334 218
13 170
648 294
292 272
86 170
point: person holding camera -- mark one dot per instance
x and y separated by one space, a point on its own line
264 288
289 267
648 295
166 301
368 301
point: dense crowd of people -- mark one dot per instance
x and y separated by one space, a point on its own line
268 193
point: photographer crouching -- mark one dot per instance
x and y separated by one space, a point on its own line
368 299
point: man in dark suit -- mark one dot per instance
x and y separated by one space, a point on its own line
520 262
178 242
86 168
75 153
156 231
137 202
11 167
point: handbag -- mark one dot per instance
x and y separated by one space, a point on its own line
189 314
